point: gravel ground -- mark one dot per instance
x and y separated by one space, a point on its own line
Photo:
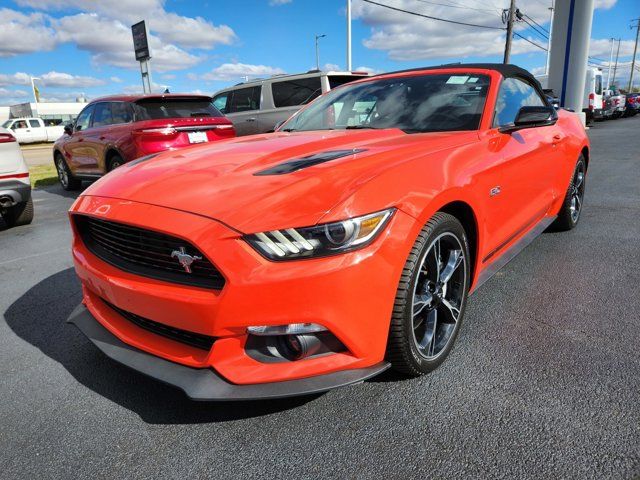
543 382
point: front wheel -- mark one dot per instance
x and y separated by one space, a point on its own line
571 209
431 297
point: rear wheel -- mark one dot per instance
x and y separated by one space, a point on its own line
431 297
66 178
20 214
571 209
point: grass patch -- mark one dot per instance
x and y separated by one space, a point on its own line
43 175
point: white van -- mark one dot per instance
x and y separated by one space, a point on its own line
593 102
259 105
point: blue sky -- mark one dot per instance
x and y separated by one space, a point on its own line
84 46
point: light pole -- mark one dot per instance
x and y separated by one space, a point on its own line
318 51
348 35
613 41
546 67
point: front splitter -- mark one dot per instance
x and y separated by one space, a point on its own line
203 384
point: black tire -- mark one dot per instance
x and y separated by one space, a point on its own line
403 349
65 177
20 214
114 162
567 217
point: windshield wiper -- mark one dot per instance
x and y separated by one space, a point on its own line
360 127
287 130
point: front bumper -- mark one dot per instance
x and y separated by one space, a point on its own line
202 383
350 294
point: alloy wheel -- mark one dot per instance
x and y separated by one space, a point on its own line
438 295
577 193
63 176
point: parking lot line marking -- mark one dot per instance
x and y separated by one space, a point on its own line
33 256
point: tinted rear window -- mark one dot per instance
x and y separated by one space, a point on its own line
337 80
159 108
290 93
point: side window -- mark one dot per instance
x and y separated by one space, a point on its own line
120 113
513 95
34 123
19 124
220 101
244 100
102 115
82 122
290 93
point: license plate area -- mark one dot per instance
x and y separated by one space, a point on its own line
197 137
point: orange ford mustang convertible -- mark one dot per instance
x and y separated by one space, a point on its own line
342 244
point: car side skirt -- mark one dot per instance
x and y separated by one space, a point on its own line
203 384
510 253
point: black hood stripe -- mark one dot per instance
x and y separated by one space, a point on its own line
310 161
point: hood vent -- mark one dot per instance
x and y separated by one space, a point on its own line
310 161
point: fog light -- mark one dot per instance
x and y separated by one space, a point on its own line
291 329
297 347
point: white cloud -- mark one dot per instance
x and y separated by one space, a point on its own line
604 4
24 33
235 71
371 70
601 48
115 79
4 93
331 66
51 79
277 3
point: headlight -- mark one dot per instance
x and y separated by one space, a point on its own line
320 240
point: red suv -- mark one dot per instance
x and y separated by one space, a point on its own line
113 130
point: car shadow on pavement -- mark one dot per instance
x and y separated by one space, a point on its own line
56 189
39 317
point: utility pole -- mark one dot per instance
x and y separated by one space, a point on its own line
348 35
318 51
610 62
615 68
635 49
510 18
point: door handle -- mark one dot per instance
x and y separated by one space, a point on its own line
102 138
251 119
81 139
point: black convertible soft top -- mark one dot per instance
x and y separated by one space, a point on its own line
506 70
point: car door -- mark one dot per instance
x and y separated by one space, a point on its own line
76 153
287 97
38 132
96 138
243 107
22 131
529 159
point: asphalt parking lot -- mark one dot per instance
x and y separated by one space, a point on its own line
543 382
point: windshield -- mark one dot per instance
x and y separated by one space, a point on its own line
415 104
159 108
7 123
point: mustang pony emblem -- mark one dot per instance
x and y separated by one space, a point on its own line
185 259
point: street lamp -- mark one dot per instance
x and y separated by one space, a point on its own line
317 51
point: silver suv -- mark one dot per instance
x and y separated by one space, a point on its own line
259 105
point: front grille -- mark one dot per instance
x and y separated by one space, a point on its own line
197 340
145 252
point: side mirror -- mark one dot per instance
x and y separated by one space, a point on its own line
530 117
68 129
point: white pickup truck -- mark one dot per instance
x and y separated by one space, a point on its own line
31 130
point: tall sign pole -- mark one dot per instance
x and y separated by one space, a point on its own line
615 67
613 41
141 49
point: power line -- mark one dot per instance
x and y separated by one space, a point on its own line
542 34
431 17
530 41
464 7
543 28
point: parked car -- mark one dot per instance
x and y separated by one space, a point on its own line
32 130
633 104
617 100
342 244
111 131
260 105
16 205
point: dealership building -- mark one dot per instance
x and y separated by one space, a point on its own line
53 113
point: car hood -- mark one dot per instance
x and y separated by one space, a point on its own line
218 180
